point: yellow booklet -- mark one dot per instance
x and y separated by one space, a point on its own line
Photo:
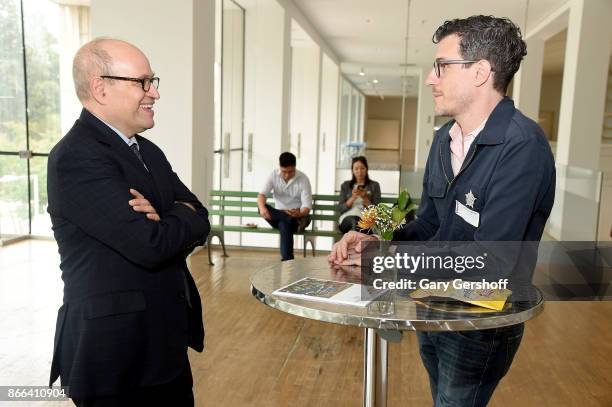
491 299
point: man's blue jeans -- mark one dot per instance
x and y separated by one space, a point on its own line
287 226
465 367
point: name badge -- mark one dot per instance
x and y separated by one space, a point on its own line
468 215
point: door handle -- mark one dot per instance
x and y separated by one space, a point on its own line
250 153
323 143
226 155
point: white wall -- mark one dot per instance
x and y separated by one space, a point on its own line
526 89
74 33
330 76
268 100
582 99
232 67
267 82
203 117
581 120
305 74
178 39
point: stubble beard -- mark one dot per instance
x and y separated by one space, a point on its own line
462 104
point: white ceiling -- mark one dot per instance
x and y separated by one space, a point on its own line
371 33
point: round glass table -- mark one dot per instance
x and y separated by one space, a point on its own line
384 319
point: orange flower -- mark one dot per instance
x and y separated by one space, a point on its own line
368 218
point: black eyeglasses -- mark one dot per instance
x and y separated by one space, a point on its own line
144 82
441 63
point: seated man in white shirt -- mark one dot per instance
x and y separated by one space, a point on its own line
293 201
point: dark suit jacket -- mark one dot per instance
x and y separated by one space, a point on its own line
131 307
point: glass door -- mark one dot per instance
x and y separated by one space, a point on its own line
37 104
14 166
229 138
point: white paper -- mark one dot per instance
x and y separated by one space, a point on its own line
468 215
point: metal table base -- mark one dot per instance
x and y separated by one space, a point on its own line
375 369
381 323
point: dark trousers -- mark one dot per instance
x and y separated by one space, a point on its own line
287 226
177 392
464 367
349 223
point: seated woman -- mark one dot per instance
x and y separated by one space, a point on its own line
356 194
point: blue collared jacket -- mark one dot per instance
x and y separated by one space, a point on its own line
504 191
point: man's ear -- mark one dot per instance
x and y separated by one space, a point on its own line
97 89
483 73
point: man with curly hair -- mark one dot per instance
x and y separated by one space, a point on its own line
489 177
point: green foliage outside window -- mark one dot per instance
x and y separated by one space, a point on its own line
42 64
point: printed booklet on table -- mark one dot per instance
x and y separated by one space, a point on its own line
330 291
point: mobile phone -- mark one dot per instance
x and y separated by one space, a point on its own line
360 187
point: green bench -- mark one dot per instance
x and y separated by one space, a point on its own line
243 204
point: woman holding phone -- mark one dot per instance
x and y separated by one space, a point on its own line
355 194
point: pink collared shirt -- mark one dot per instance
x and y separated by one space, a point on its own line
460 144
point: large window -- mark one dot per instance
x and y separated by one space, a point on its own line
351 117
37 104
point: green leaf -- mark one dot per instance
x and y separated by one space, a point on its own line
411 208
403 200
387 235
397 215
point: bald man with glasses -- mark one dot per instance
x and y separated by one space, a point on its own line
124 224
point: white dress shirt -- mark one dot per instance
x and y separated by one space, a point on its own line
296 193
128 140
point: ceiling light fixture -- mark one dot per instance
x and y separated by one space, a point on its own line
375 81
361 73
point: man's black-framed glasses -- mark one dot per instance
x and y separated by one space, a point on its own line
144 82
441 63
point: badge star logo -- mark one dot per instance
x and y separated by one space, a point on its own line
470 199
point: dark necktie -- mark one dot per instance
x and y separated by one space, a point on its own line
136 151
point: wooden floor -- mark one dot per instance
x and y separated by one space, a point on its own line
257 356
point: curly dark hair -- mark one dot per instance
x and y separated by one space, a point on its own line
498 40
